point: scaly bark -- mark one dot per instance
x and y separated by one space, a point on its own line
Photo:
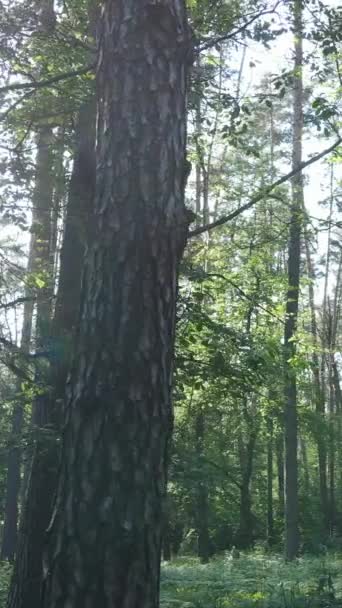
106 533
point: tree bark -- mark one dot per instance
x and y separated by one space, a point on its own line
26 581
106 533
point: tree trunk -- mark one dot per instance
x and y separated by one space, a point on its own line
202 212
290 410
306 474
331 442
270 516
281 479
27 567
245 534
13 479
26 580
41 227
9 536
39 269
202 504
106 533
319 395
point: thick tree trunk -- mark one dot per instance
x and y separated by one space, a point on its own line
26 581
290 410
106 533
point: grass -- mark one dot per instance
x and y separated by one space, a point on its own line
253 581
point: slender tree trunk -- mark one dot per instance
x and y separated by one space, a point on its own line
338 441
9 536
106 533
13 479
290 411
202 506
39 269
43 199
166 534
57 214
245 533
332 422
306 474
202 212
319 395
270 515
281 478
27 567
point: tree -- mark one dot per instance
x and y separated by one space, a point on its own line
292 299
26 580
105 537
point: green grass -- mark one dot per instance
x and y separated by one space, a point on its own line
5 575
253 581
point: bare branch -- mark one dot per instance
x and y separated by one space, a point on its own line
16 302
265 191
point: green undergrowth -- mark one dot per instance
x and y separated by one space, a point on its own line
5 575
253 581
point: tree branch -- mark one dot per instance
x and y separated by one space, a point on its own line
16 302
245 295
208 44
265 192
39 84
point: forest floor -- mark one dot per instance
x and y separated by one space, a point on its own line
254 580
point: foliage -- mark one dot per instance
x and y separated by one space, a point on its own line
5 575
255 580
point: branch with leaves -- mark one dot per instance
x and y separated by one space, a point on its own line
264 193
